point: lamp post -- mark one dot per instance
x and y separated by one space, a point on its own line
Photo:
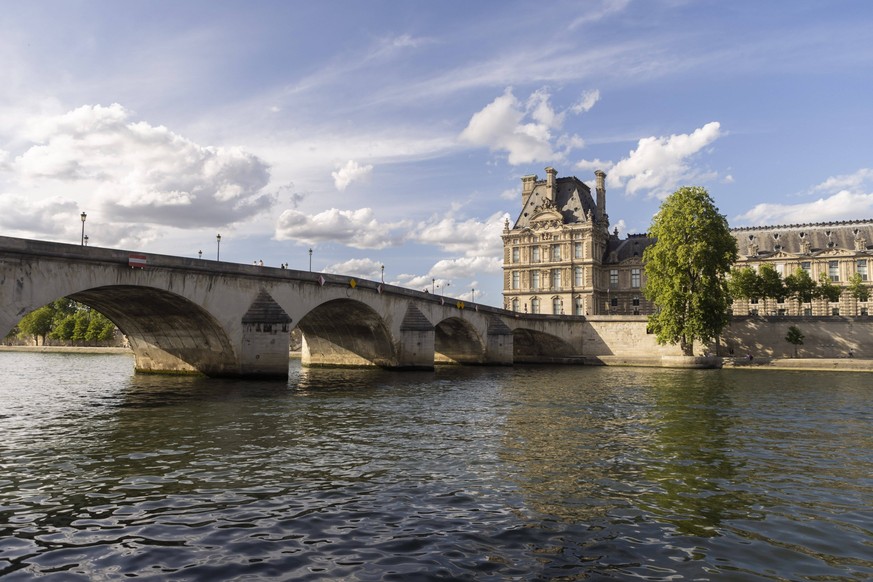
200 254
86 240
473 295
83 216
218 247
383 274
433 285
310 259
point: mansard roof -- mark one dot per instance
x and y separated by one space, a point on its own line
800 239
620 250
572 204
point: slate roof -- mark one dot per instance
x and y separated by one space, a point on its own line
572 200
794 238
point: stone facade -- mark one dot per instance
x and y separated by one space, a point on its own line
560 258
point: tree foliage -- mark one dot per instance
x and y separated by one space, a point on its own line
857 289
686 268
794 337
799 285
827 290
66 320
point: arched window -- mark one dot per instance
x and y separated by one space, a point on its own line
535 305
515 304
556 305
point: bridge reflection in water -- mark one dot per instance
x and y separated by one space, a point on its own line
215 318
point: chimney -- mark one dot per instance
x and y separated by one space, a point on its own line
601 193
551 175
527 187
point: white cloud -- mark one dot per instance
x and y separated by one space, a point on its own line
850 182
595 11
471 237
843 205
511 194
466 267
143 174
523 131
590 165
661 164
589 98
355 228
349 173
361 268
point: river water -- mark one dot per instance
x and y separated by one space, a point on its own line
526 473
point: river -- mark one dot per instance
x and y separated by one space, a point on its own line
526 473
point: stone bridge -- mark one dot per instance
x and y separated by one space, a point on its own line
184 315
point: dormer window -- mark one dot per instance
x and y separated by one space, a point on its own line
802 235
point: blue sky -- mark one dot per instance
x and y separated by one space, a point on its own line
396 133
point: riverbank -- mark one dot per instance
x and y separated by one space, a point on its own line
67 349
696 362
699 362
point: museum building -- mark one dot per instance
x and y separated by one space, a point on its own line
560 258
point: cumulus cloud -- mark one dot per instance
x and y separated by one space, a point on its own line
42 216
351 172
361 268
525 131
660 164
355 228
470 237
143 173
846 197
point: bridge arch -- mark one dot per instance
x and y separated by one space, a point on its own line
457 341
535 346
166 331
346 332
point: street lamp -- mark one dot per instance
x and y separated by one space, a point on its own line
433 285
383 274
473 295
86 240
218 247
200 254
83 216
310 259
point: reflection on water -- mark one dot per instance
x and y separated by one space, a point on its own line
465 473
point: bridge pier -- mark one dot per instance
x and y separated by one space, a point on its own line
498 344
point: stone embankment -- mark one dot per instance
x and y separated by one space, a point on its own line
740 363
67 349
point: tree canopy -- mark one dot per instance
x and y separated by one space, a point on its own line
686 269
67 320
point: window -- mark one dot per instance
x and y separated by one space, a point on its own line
556 306
613 302
556 279
834 270
515 254
861 267
515 304
753 312
578 278
753 301
780 311
780 268
534 305
556 252
577 250
516 279
579 307
535 280
635 278
613 278
835 310
806 266
636 301
535 255
807 311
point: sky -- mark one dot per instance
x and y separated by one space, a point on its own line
395 133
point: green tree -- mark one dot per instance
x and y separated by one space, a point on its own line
686 268
799 285
771 283
794 337
37 323
857 289
744 284
827 290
